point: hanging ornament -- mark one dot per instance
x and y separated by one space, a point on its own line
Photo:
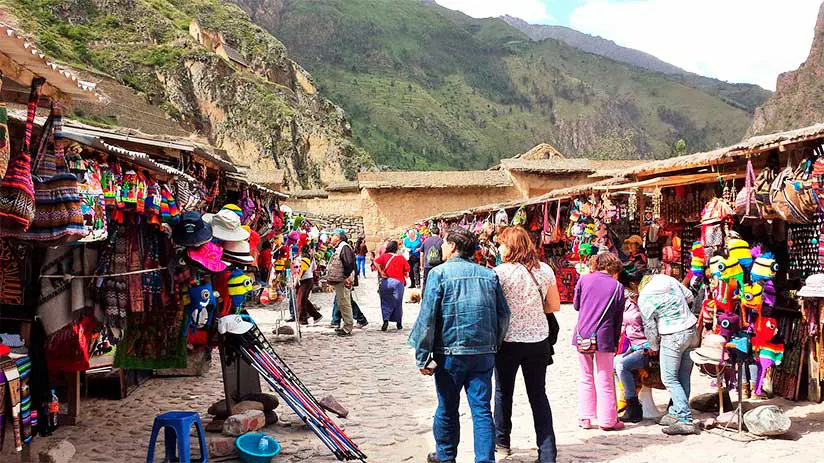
657 198
632 207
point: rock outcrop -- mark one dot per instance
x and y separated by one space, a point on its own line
799 95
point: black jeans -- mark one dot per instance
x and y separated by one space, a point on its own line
532 359
414 273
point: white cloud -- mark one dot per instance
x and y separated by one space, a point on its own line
533 11
735 40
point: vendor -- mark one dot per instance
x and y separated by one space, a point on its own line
634 246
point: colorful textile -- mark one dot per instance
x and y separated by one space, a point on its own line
698 259
93 203
5 146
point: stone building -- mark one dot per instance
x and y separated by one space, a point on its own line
382 203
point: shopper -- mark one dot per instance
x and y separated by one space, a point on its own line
357 314
637 354
393 270
461 353
665 309
531 292
340 274
360 256
413 244
599 299
306 281
431 254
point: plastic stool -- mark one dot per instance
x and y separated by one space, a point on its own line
176 426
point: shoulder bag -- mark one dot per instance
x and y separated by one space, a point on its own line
552 322
590 345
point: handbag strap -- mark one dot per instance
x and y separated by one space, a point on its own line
31 111
606 309
535 280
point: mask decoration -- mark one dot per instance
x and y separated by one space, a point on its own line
201 306
767 352
764 268
239 286
740 250
699 257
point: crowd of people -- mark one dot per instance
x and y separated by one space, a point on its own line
489 311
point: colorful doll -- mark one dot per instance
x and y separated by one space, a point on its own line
764 268
767 352
752 301
740 250
239 286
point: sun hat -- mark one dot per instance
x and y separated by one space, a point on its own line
226 226
234 324
192 231
711 351
209 256
237 252
814 286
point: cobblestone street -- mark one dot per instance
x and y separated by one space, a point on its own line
391 406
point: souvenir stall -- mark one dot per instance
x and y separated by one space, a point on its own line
106 258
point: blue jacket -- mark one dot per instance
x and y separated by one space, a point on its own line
463 312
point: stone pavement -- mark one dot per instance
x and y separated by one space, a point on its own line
391 406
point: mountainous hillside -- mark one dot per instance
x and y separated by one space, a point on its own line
426 87
267 114
799 95
746 96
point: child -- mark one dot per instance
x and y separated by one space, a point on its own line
372 261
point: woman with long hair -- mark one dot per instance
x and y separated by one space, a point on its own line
599 299
531 292
393 269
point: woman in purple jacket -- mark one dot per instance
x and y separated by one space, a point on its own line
599 300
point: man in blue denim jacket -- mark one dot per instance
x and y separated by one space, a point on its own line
462 322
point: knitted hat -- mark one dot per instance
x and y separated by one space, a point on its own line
239 286
753 297
698 261
764 268
740 250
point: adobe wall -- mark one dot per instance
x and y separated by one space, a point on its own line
346 204
386 212
531 185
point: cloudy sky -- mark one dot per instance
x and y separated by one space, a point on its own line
734 40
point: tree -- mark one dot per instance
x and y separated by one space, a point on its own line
680 148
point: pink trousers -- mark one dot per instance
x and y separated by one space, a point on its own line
596 389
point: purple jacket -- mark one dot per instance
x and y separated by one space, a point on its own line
592 293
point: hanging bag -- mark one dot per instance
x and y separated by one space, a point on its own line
745 203
590 345
16 189
786 192
547 237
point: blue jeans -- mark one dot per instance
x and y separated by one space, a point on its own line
360 261
676 368
625 364
356 313
473 373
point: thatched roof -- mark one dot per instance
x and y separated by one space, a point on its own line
427 179
553 195
343 187
309 194
540 152
564 166
274 178
748 147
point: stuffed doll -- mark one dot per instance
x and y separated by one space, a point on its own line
201 307
767 352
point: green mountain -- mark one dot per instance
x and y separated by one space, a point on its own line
260 106
430 88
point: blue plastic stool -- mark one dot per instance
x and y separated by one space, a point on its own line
176 426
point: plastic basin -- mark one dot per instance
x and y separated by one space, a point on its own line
247 445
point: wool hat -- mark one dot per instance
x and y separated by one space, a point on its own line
740 250
770 295
699 259
237 252
764 268
226 226
239 286
191 230
236 209
753 297
209 256
814 286
711 351
728 324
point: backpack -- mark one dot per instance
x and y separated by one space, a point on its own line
792 196
434 257
745 203
715 215
762 186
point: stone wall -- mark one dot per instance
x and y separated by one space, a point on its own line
352 225
347 204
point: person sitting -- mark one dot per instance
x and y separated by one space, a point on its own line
637 355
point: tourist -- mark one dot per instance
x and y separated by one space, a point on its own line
634 246
431 254
637 354
413 244
531 293
393 270
461 354
665 308
306 281
360 256
599 299
372 262
340 274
